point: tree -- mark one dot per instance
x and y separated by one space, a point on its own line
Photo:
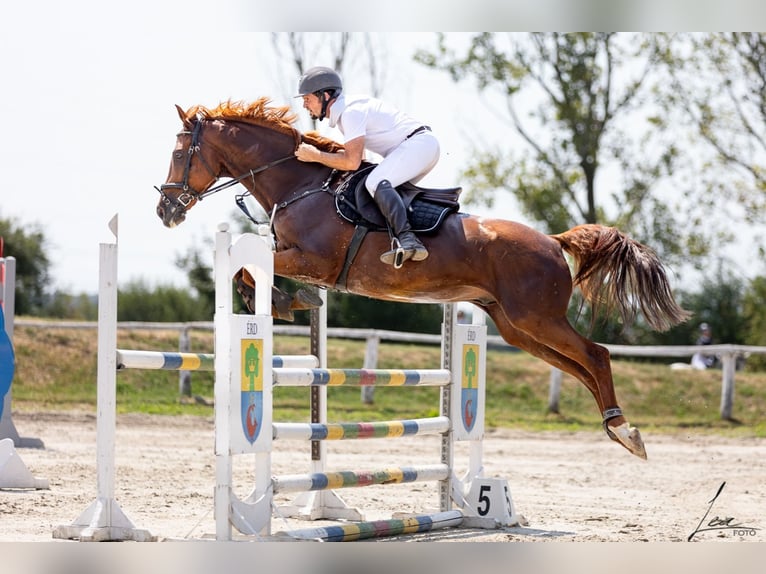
62 305
754 311
200 277
358 312
28 246
139 302
591 148
719 82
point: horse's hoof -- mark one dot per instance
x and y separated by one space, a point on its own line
305 299
629 437
283 315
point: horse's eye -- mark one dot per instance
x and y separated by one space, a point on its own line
178 155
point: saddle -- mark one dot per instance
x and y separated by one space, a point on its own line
426 208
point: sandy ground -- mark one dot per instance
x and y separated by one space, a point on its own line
569 487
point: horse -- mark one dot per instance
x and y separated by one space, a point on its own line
519 276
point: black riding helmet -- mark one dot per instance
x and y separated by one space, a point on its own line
318 80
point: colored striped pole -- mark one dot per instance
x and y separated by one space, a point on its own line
159 360
341 431
350 478
291 377
381 528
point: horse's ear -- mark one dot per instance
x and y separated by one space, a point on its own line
184 119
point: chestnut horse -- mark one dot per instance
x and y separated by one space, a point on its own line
519 276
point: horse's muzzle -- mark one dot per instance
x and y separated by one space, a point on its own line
172 211
170 215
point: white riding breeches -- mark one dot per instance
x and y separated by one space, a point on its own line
410 161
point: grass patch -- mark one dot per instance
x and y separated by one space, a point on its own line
56 370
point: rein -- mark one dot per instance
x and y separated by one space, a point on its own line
251 173
189 194
240 199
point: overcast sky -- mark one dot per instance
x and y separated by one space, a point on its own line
92 125
88 94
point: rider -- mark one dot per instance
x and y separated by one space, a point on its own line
408 148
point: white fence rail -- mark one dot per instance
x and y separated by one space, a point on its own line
728 354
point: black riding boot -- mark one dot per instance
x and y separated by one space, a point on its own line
406 245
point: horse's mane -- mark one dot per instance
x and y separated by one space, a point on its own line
260 113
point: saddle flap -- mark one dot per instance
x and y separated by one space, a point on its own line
426 208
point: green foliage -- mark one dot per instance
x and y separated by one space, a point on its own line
28 245
346 310
719 82
754 311
80 307
575 100
139 302
200 278
720 301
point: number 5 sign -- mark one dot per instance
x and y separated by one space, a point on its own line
491 498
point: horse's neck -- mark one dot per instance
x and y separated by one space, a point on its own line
289 181
280 182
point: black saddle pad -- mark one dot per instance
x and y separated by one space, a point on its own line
426 208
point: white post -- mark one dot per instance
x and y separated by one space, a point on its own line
8 293
184 377
729 361
554 392
223 460
106 423
446 398
370 362
103 520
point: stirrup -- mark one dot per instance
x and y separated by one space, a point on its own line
397 255
608 415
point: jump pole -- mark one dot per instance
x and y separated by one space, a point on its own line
172 361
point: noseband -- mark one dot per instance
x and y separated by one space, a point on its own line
189 193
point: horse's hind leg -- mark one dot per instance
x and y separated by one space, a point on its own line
557 343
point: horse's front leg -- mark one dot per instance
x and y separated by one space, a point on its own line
316 268
280 301
282 304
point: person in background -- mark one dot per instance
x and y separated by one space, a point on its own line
700 360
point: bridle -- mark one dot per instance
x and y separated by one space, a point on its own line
189 193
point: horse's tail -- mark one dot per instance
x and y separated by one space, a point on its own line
619 273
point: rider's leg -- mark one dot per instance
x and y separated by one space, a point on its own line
391 206
410 161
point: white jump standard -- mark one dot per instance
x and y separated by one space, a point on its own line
244 387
